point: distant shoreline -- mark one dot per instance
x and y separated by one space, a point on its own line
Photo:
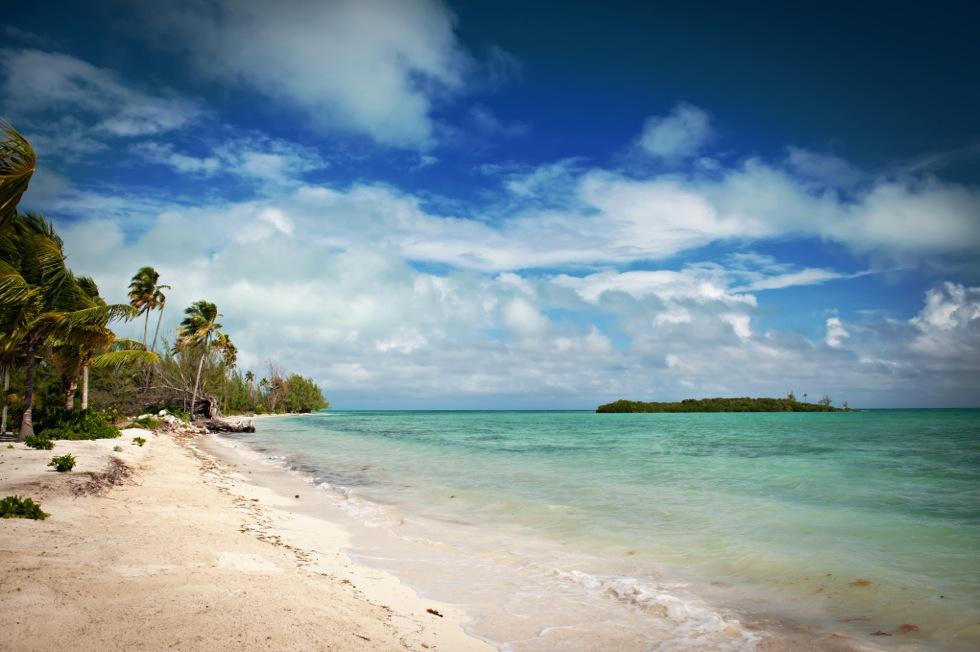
741 404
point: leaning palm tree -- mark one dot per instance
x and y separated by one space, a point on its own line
145 296
17 164
86 340
198 328
35 285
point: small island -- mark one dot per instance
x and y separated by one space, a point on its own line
742 404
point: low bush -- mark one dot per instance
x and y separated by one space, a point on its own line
63 463
117 449
145 421
39 442
83 424
139 441
17 507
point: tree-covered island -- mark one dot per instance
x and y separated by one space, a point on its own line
742 404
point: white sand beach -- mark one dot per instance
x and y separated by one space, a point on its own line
171 550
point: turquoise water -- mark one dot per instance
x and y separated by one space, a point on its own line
846 521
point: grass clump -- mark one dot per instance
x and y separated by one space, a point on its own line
63 463
139 441
117 449
82 424
17 507
145 421
39 442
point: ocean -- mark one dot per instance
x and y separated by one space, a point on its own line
584 531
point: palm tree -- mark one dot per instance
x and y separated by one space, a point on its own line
199 327
34 286
17 164
88 341
229 355
41 301
8 358
158 302
145 296
250 379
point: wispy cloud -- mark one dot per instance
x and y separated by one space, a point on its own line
254 157
71 108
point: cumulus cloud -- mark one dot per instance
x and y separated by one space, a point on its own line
364 322
371 67
678 135
948 325
836 333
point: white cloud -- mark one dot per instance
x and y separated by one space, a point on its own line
371 67
808 276
826 169
523 319
666 285
948 326
96 99
740 324
836 333
255 157
678 135
366 324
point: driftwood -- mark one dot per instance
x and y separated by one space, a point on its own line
229 425
215 422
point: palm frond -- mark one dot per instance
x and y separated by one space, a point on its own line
125 357
17 164
14 289
126 344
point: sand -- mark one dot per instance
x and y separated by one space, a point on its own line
185 554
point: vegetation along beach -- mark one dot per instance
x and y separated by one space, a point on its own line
429 325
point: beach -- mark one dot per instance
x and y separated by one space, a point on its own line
184 554
379 531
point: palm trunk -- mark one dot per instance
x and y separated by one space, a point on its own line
6 388
85 387
200 365
146 325
156 334
27 420
70 384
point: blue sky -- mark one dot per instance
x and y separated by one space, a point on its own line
422 204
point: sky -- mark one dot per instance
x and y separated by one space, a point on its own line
503 205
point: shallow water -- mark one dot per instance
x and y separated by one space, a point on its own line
571 530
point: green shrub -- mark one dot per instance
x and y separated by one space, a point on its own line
17 507
63 463
39 442
139 441
150 423
117 449
82 424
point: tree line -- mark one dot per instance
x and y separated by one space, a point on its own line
741 404
58 352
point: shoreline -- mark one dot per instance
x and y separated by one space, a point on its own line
414 549
184 551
